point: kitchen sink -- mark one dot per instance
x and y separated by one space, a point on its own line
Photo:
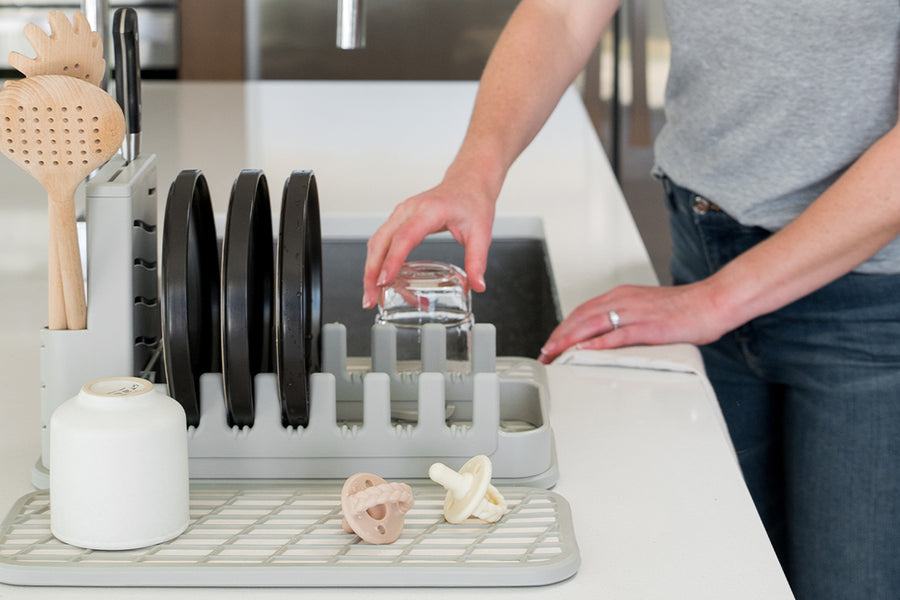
520 300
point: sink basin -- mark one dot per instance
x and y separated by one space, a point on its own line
520 300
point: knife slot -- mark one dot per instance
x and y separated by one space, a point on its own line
147 302
145 264
147 227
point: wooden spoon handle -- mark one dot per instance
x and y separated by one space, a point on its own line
55 301
69 258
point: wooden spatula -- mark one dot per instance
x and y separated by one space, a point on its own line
71 49
59 129
77 51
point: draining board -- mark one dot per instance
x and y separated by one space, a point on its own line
265 534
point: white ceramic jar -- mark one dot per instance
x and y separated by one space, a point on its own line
118 466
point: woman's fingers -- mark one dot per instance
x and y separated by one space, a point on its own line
407 237
388 247
587 321
477 245
469 219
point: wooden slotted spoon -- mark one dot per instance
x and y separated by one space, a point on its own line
77 51
59 129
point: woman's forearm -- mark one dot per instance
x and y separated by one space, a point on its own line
856 217
540 52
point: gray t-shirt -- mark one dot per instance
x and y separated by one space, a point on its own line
769 102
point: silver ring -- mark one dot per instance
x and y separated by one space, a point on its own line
613 319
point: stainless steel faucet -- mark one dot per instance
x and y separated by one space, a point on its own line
351 24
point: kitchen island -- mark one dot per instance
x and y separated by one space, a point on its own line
658 503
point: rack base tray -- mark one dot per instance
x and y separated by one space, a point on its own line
276 534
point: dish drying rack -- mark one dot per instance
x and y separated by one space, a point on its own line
367 414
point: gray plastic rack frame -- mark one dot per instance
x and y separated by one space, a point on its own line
371 416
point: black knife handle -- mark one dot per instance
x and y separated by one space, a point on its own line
128 70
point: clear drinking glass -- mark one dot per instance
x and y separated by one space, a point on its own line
428 292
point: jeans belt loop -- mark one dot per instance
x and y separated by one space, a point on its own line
668 191
667 185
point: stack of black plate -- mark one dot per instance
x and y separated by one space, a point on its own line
271 310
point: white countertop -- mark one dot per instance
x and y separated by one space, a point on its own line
658 502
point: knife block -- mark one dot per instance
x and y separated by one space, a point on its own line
123 323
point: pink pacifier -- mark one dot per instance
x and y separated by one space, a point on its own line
374 509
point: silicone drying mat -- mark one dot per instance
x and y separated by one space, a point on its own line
289 535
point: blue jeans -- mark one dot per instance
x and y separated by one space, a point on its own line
811 396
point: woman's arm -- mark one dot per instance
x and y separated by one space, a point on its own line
541 50
856 217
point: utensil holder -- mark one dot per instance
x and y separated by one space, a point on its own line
123 325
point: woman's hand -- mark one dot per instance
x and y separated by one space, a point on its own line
458 205
646 315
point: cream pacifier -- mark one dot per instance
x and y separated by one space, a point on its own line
469 491
374 509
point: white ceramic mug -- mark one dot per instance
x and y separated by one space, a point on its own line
118 466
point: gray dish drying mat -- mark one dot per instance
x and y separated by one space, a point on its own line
288 534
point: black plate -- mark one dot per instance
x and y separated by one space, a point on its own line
190 290
248 273
298 297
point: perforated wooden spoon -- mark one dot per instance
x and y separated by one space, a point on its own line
77 51
59 129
